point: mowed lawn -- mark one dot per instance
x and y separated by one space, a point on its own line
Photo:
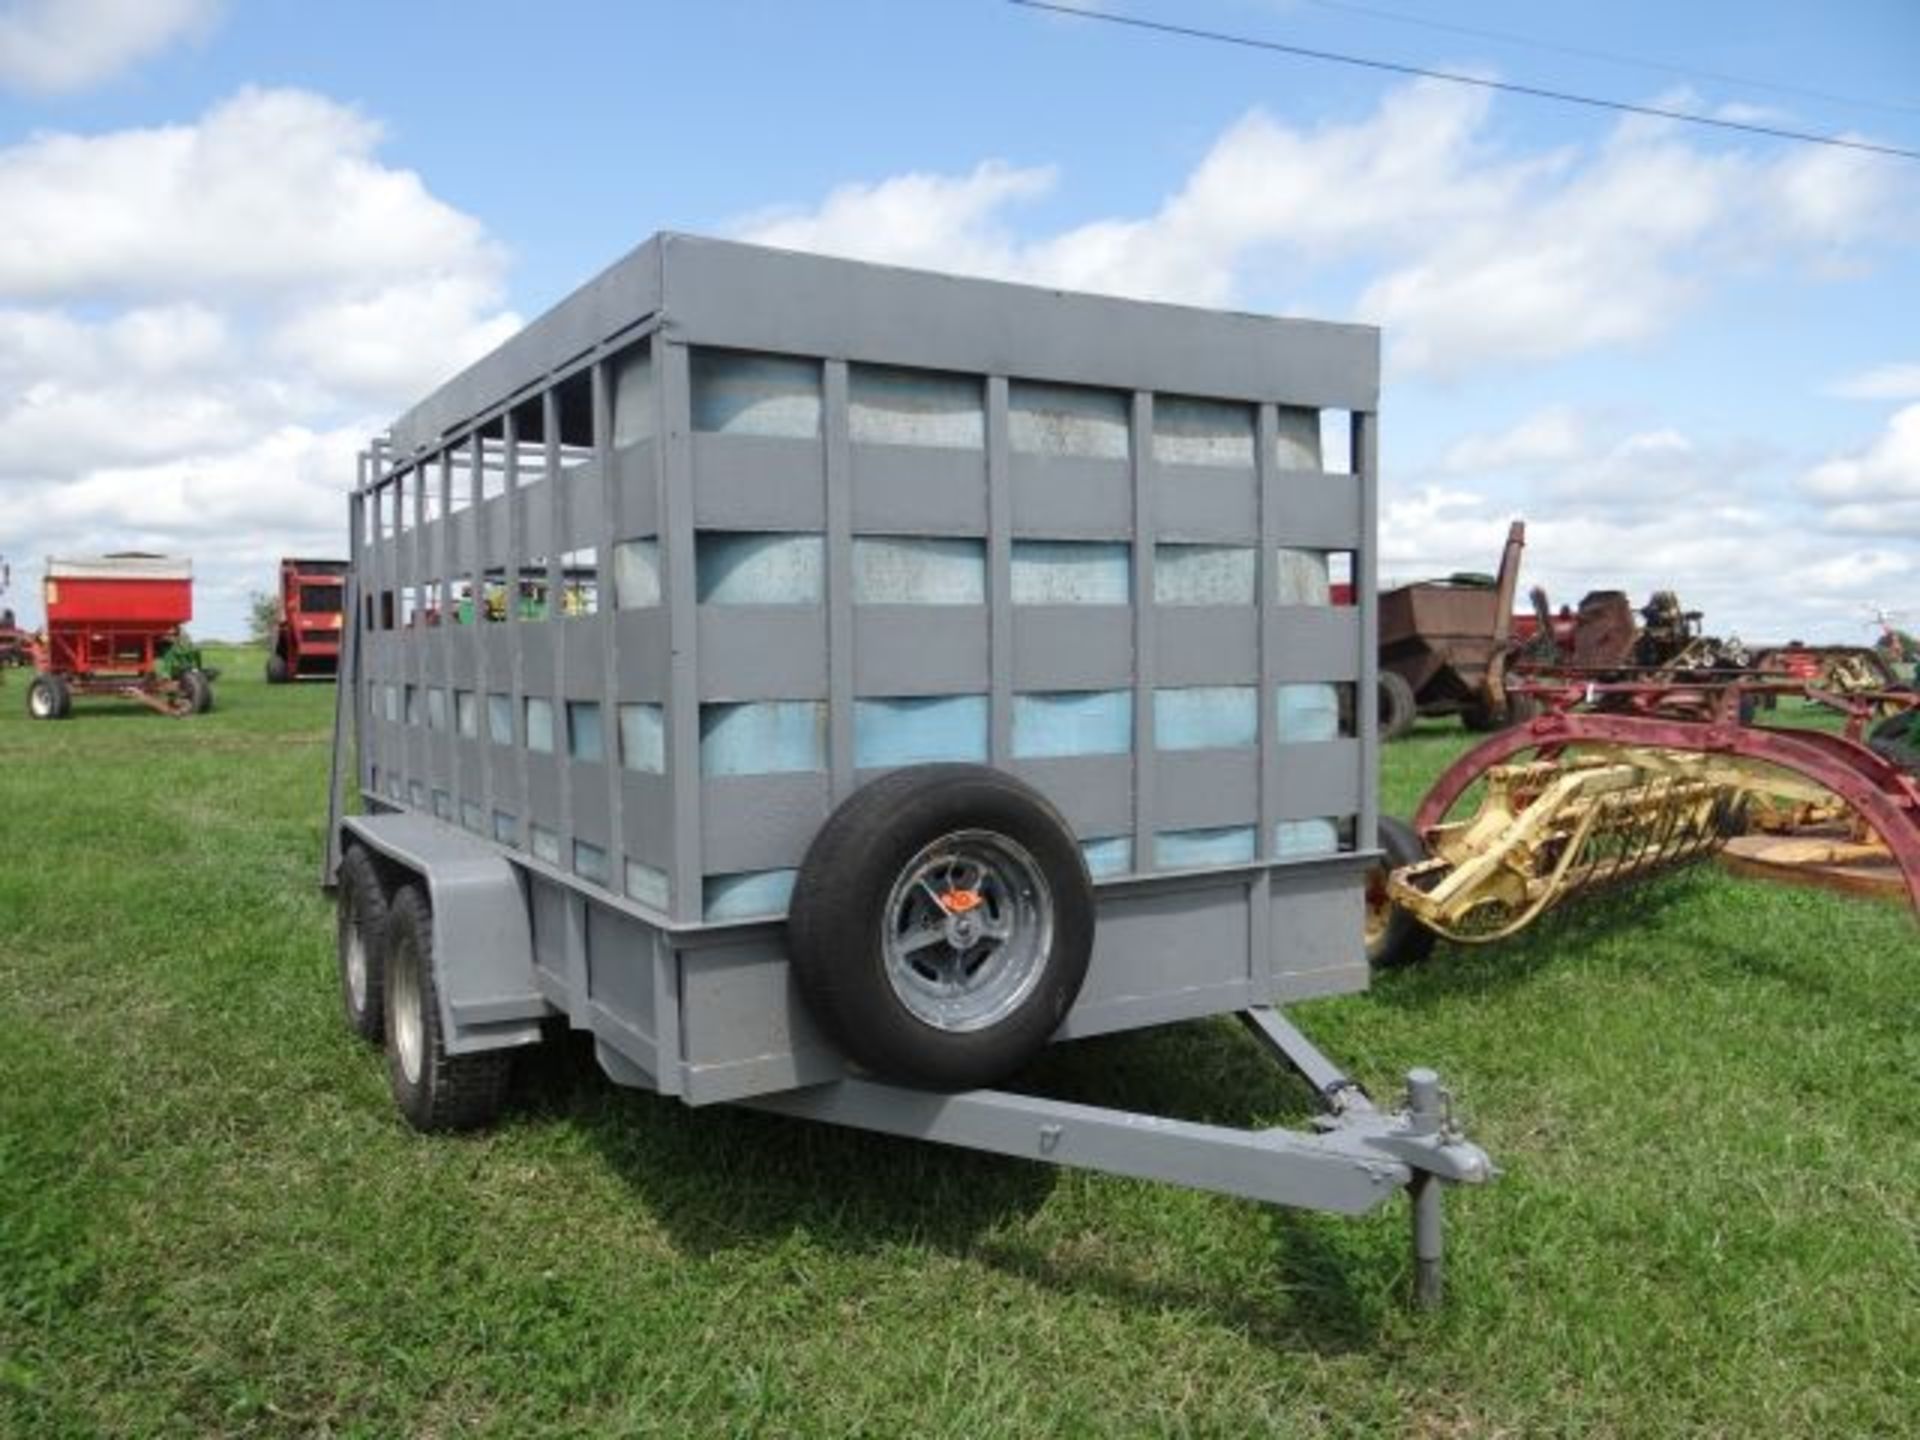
1705 1096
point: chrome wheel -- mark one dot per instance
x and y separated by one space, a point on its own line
40 701
406 1000
968 928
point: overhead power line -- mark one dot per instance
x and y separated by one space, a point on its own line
1251 42
1610 57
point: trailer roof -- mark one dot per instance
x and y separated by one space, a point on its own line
127 565
723 293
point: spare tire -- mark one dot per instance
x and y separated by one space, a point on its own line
941 925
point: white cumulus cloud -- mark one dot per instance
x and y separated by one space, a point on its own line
1476 255
201 322
1883 382
56 45
1877 490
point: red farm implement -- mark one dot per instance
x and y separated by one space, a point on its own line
1616 780
114 628
306 643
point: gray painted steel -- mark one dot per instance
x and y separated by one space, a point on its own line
561 596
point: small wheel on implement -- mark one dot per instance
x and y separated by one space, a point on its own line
1398 707
1394 938
1480 717
360 940
197 690
941 925
435 1090
48 697
277 671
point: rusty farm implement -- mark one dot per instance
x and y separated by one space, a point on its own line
1616 781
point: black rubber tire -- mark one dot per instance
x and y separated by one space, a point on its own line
451 1092
837 920
360 899
198 689
1398 708
277 671
1403 940
1481 718
48 697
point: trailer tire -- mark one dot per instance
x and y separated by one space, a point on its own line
48 697
946 988
434 1090
1398 708
360 939
1394 938
277 672
198 689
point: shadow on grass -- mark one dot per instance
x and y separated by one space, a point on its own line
1593 924
722 1178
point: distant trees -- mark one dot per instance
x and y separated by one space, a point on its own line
263 617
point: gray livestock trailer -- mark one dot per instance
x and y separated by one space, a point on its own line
828 683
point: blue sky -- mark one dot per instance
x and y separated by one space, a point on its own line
243 235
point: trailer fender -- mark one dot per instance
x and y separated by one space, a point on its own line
482 938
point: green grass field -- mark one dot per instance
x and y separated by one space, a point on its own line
1705 1096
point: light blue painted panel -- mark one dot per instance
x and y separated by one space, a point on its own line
739 393
1072 722
539 725
647 885
590 863
914 570
545 844
891 406
643 738
1293 839
1072 572
1307 711
586 738
466 715
1110 856
633 395
500 719
1067 420
763 737
1299 439
636 574
746 895
472 817
1204 574
757 568
1206 717
1187 849
506 827
1190 431
919 730
1303 577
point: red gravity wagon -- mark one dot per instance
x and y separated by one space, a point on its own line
114 628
